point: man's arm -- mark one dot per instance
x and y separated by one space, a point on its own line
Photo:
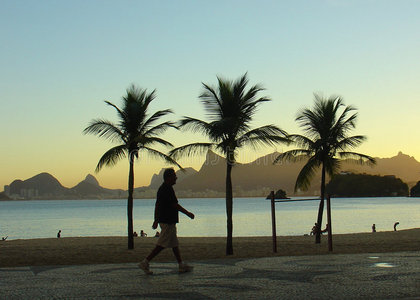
155 222
184 211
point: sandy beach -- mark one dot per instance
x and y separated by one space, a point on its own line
98 250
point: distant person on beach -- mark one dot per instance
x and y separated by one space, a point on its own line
373 228
142 233
395 225
4 238
59 234
157 234
135 234
166 215
314 229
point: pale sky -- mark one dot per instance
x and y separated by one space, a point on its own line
59 60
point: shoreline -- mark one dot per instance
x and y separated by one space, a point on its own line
105 250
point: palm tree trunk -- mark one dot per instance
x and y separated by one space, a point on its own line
229 206
130 204
321 207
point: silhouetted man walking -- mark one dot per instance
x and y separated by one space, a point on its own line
166 214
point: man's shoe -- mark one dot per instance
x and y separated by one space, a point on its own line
184 268
144 265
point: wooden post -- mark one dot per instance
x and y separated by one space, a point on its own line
330 245
273 221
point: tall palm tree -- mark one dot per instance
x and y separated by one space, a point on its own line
230 108
326 127
136 131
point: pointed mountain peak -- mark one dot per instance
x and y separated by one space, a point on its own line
91 179
403 155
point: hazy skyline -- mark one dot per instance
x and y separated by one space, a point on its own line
60 60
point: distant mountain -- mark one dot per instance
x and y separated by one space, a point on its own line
259 177
402 166
253 179
256 178
42 184
91 179
90 188
210 176
46 186
157 179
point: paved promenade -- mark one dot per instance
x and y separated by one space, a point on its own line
355 276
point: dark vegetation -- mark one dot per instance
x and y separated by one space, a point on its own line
364 185
415 190
280 194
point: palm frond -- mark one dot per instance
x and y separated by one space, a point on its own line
156 116
305 176
350 142
120 112
302 141
345 121
258 142
112 156
148 141
149 97
105 129
136 103
357 158
162 155
139 95
249 96
344 124
249 109
159 129
308 121
264 135
195 125
211 100
295 155
332 165
238 87
190 150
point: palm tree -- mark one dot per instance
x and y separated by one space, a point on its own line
136 131
230 108
324 144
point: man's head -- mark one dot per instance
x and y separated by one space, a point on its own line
169 176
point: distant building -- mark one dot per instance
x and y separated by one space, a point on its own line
29 193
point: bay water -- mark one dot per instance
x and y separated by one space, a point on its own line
251 217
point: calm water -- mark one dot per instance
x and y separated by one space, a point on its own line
252 217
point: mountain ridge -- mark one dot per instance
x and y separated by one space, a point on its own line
255 178
46 186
